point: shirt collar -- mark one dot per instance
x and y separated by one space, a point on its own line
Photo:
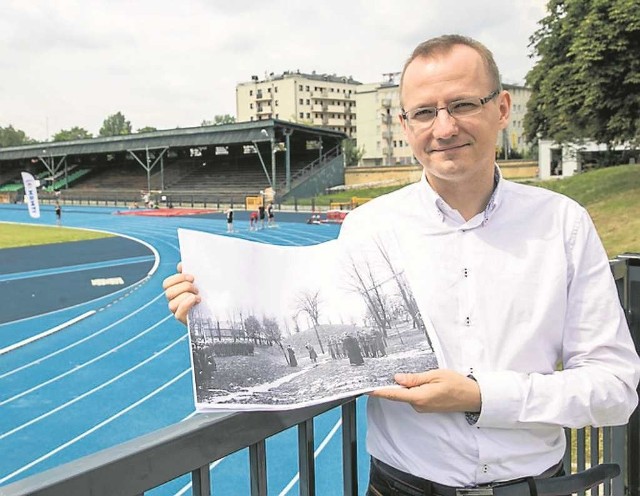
438 207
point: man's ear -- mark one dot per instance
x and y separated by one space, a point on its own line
504 107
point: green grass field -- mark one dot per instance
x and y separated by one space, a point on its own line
16 235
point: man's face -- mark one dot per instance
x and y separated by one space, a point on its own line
453 149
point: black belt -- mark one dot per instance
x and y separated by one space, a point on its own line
403 483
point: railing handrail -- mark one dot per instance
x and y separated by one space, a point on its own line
141 464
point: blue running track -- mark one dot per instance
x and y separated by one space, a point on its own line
87 366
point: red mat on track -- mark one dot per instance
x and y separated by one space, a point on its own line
167 212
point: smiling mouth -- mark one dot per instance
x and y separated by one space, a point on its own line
448 148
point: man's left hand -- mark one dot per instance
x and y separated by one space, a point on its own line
438 390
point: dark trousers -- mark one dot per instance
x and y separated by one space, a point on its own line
389 481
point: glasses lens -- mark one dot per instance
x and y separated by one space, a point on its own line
468 106
423 115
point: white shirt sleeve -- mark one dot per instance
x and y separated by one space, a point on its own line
596 382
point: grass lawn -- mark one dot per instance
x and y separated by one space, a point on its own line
612 197
16 235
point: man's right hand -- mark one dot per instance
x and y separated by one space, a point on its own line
181 293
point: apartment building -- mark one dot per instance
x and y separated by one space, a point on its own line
366 112
323 100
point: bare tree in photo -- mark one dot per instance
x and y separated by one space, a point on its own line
364 282
410 304
308 302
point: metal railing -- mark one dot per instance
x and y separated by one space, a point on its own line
189 447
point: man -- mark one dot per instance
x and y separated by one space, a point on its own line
515 282
229 216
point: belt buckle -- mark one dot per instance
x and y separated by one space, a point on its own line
475 491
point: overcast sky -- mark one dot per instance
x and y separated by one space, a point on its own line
170 63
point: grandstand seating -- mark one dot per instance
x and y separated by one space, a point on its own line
239 176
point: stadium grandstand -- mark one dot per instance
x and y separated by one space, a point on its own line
197 166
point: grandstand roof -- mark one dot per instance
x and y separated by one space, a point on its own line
242 132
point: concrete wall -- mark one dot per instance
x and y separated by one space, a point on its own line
405 174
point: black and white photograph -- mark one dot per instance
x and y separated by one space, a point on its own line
287 326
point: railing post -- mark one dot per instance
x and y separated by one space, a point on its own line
201 481
306 462
258 468
349 449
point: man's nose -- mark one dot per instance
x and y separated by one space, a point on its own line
444 125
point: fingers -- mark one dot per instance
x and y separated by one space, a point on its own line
437 390
413 380
181 304
176 279
181 293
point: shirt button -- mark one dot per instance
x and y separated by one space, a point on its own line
468 321
485 468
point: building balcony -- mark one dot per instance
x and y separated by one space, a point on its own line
260 96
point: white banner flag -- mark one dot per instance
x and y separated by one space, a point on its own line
31 194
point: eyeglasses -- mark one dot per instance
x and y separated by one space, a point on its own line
424 117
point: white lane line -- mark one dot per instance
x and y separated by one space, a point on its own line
94 428
44 334
91 391
85 364
321 447
37 361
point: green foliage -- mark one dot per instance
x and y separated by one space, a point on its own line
147 129
115 125
352 153
75 133
586 83
218 120
13 137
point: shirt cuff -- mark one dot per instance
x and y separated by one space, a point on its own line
502 396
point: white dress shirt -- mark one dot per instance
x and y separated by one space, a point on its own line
522 297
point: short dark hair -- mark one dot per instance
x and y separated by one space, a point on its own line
443 44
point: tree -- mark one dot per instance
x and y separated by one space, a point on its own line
147 129
353 154
13 137
115 125
252 328
75 133
309 302
586 83
218 120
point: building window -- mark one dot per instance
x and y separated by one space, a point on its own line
251 105
250 92
308 102
300 87
301 115
275 89
306 88
300 101
308 115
